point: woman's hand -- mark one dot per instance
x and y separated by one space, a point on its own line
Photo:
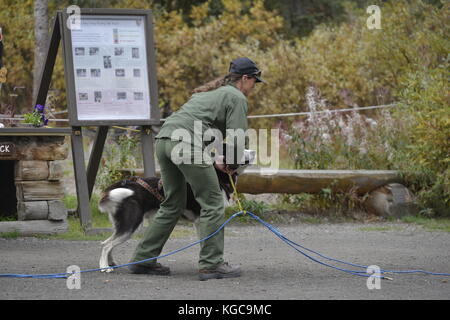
220 165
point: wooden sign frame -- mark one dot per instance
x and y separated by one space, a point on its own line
85 177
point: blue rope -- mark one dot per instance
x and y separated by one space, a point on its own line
355 272
289 242
66 275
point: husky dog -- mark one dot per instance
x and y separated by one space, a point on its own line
128 201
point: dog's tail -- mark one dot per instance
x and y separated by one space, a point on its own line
111 199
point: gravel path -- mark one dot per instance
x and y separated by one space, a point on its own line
271 269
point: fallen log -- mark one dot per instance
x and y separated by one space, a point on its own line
261 180
256 181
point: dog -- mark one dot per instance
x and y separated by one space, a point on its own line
129 201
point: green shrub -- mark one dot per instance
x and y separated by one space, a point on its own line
121 153
405 62
427 155
345 64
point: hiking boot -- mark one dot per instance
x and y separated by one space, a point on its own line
223 270
156 269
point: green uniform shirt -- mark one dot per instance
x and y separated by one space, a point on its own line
221 109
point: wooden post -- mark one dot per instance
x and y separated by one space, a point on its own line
147 143
84 209
95 157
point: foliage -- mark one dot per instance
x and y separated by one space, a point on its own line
37 117
194 55
254 206
350 140
414 53
121 153
301 17
257 207
336 204
406 62
76 231
440 224
427 155
16 17
345 64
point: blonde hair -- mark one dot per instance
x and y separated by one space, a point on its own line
230 78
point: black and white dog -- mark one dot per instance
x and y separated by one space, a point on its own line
128 201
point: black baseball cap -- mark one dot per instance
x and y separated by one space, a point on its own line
245 66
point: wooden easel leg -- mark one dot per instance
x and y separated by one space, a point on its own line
84 209
147 143
95 157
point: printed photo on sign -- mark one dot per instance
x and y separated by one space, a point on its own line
121 96
107 62
138 96
83 96
136 73
120 72
118 51
97 96
79 51
93 51
135 53
81 72
95 73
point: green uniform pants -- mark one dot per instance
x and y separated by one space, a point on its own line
205 186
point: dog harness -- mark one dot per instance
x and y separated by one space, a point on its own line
146 186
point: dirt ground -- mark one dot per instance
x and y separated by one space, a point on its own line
271 269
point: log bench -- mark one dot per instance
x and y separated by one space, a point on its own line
387 196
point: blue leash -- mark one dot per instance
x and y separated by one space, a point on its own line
294 245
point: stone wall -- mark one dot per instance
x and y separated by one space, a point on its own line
39 191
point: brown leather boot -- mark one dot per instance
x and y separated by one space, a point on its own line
156 269
223 270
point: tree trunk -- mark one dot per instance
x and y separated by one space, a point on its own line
41 34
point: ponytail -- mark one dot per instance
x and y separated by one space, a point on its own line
230 78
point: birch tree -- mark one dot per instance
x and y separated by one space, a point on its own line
41 33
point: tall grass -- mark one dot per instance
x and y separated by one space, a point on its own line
340 140
344 140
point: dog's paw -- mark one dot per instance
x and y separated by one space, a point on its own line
107 269
104 267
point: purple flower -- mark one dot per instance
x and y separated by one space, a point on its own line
44 120
39 108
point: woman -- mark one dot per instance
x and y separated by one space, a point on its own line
222 105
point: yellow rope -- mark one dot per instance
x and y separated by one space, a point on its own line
236 194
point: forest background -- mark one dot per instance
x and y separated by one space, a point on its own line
315 56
